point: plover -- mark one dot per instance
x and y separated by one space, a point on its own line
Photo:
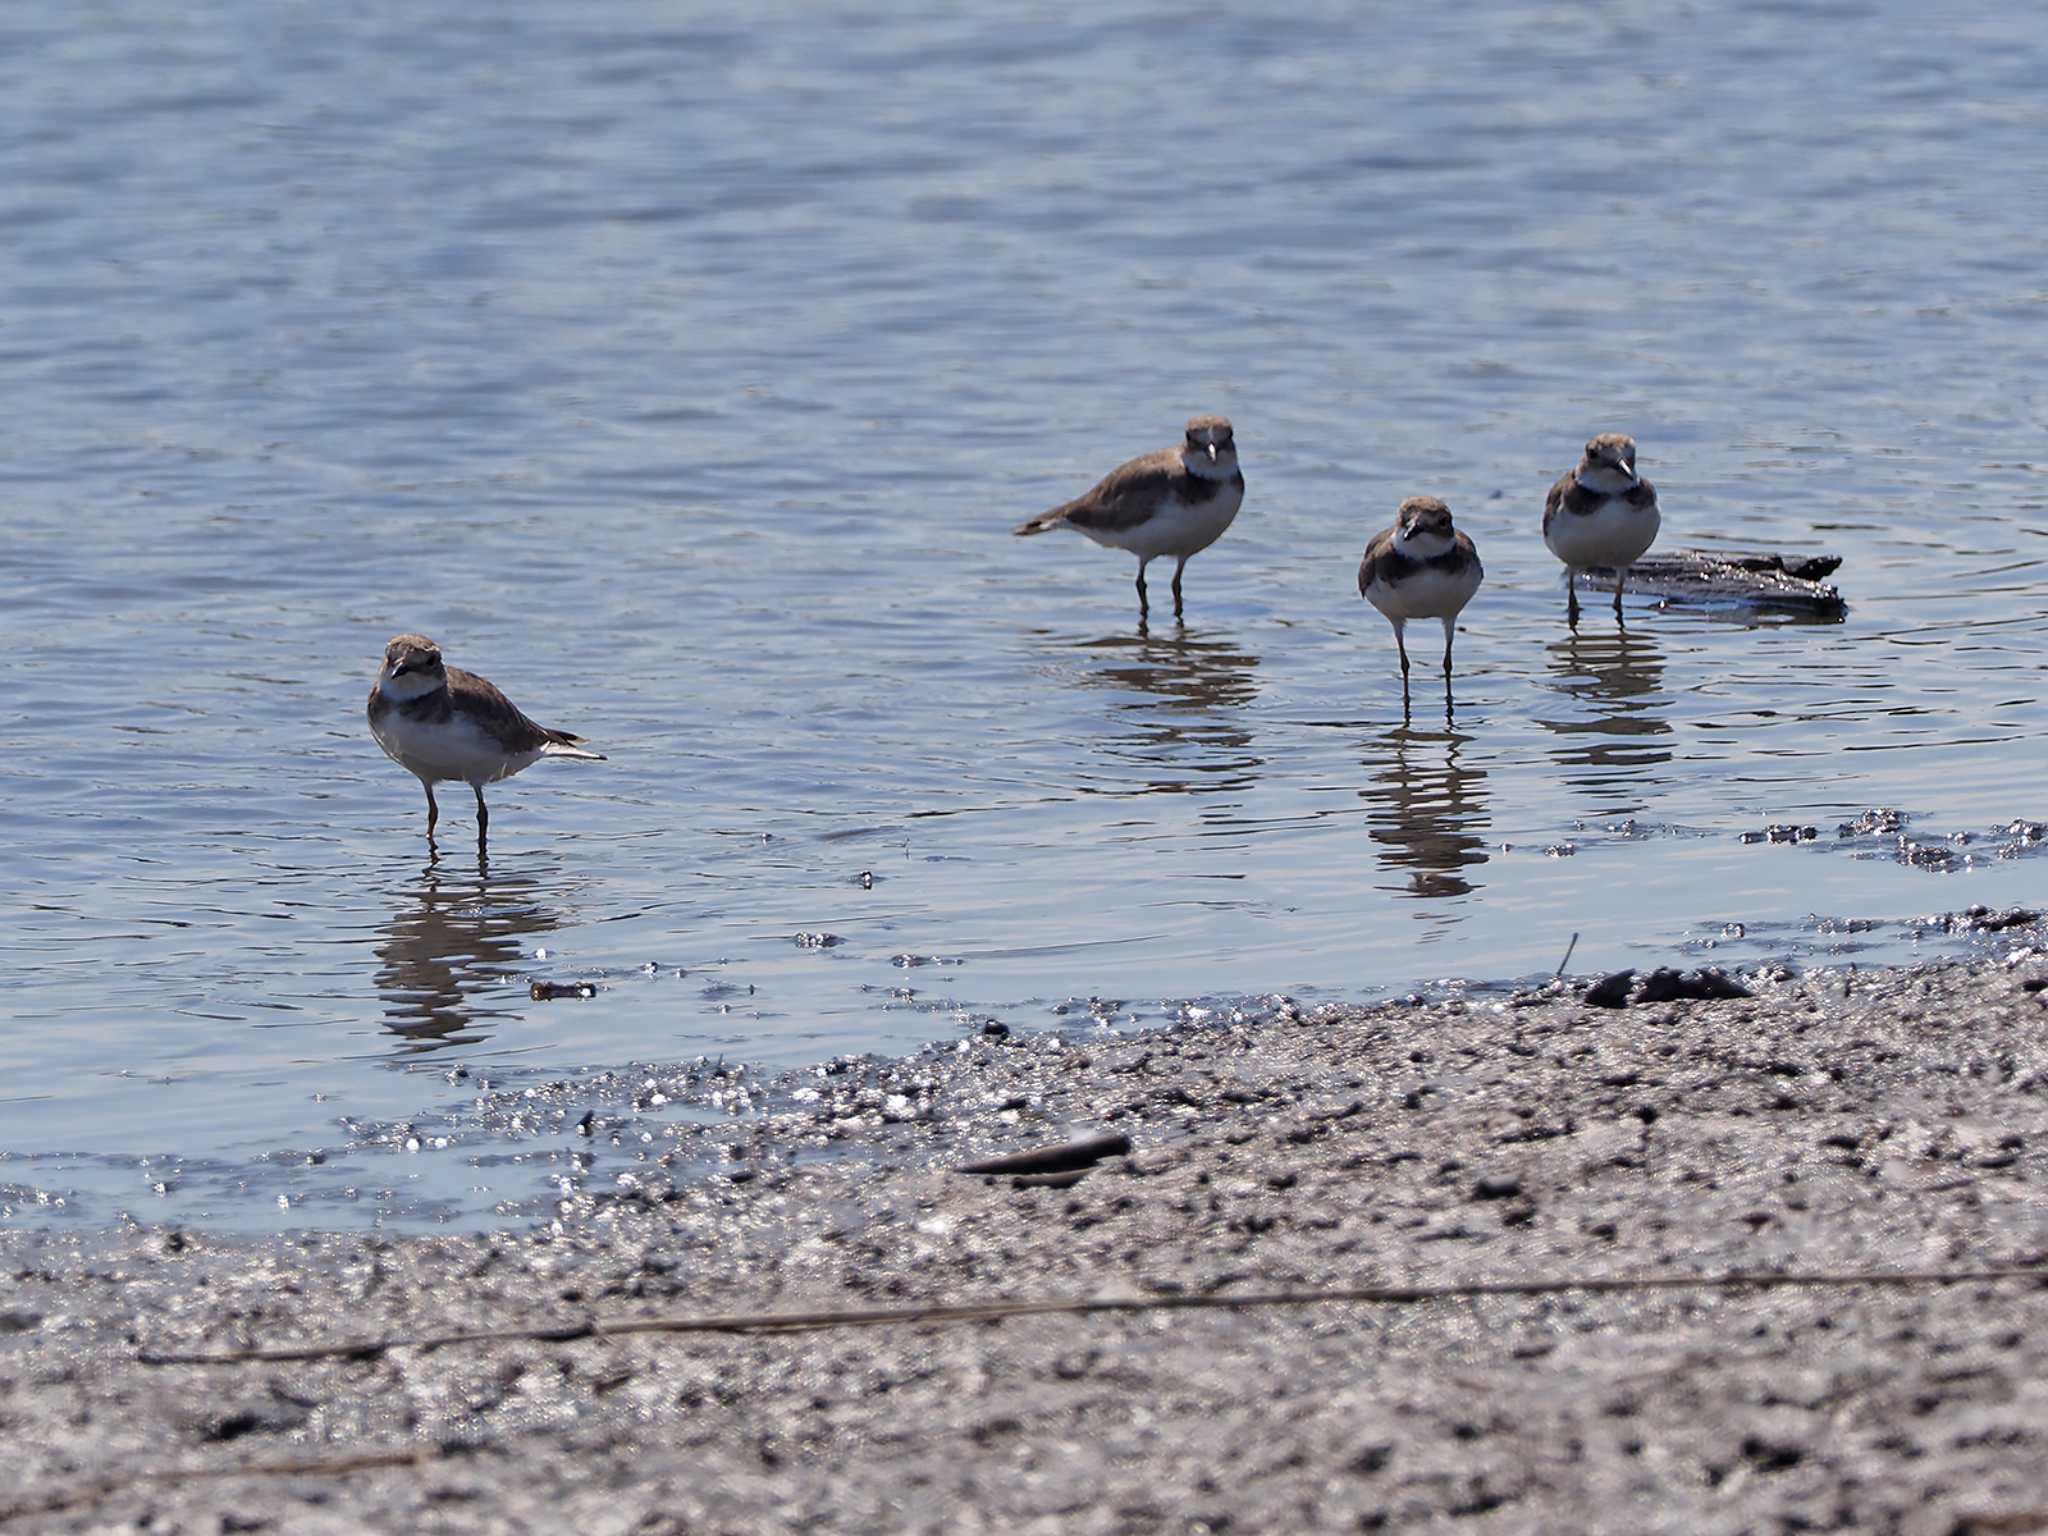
1602 513
1421 568
1174 502
440 722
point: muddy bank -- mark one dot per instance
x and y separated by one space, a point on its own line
1889 1120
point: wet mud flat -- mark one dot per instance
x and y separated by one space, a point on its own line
1833 1126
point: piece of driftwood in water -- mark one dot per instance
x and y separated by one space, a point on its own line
1720 576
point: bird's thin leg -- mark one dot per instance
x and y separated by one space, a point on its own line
1176 585
1448 632
1144 603
483 812
1401 644
433 811
1620 579
1571 596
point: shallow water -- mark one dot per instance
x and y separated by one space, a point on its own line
685 376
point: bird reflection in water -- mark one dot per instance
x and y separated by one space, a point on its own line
1426 807
454 935
1611 743
1189 689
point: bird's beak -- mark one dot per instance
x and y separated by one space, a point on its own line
1212 451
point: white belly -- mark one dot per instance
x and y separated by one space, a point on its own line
1426 594
455 748
1614 535
1177 528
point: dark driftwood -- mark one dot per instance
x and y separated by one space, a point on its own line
1663 985
1064 1158
1787 582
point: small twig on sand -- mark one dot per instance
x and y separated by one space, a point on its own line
989 1311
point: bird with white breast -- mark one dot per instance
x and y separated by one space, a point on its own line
439 723
1601 513
1421 568
1174 502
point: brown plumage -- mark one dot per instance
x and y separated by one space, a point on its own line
1384 563
1128 495
1600 514
1174 502
482 702
1567 495
440 722
1406 583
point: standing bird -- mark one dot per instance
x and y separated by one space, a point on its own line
1602 513
1421 568
441 722
1174 502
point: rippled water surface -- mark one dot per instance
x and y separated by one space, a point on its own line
684 373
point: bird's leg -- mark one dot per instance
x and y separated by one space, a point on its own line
433 812
1144 603
1176 587
1448 632
1401 644
483 813
1571 596
1620 578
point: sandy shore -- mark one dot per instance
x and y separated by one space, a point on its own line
1891 1121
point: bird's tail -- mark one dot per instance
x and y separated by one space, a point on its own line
562 744
1045 522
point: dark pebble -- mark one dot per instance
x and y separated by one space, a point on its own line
548 991
1772 1455
1610 991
